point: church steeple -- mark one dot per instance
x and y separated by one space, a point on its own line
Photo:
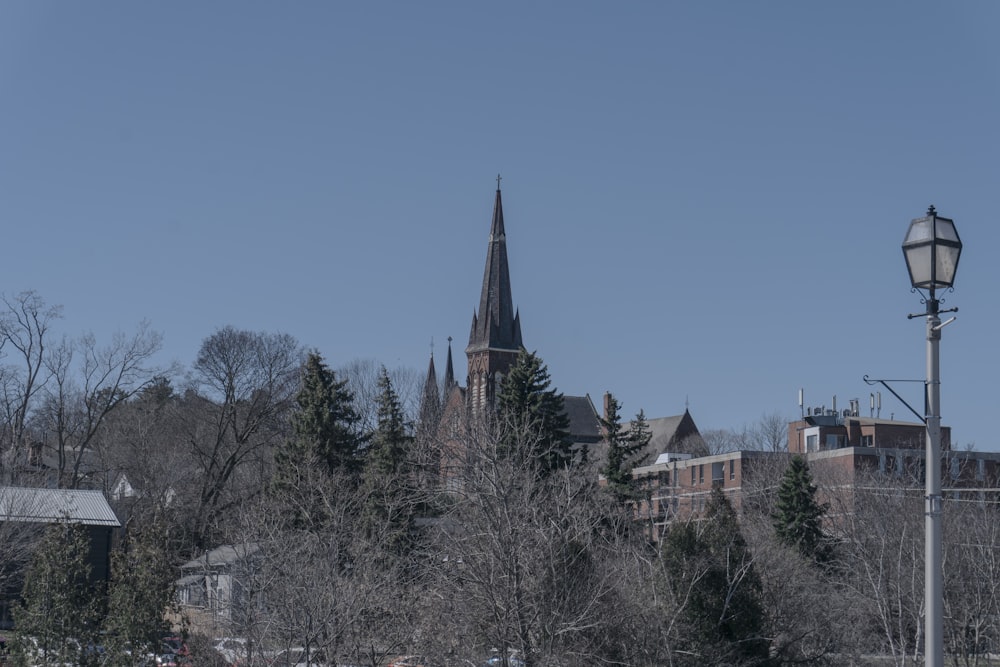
495 337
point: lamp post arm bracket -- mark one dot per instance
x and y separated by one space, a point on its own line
869 381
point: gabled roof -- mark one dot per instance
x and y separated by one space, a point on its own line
584 424
667 434
663 430
670 434
25 504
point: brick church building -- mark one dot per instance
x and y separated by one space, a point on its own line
494 344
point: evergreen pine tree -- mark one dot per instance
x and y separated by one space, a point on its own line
388 510
324 427
623 448
141 590
387 449
798 516
530 409
57 618
709 566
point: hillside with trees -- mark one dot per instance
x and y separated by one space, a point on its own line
351 545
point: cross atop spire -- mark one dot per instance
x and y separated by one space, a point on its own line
498 182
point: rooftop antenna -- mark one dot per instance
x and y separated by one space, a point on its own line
802 412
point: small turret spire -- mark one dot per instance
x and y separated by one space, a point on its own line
449 372
430 401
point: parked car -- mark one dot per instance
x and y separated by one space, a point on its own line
175 644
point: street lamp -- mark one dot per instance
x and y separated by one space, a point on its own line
932 249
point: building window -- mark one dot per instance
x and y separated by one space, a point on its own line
867 441
719 472
732 468
955 471
701 473
812 443
980 470
692 475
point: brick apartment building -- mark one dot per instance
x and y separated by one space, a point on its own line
842 449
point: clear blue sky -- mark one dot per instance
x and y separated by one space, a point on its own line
704 200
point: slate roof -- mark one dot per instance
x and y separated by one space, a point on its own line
583 420
663 429
667 433
25 504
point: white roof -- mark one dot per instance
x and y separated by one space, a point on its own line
667 457
25 504
227 554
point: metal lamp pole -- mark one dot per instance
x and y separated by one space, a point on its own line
933 586
932 249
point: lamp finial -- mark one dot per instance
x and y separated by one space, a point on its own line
930 210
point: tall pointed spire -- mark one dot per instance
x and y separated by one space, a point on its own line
496 324
495 338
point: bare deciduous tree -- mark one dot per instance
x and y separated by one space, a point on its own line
242 387
86 383
24 331
522 556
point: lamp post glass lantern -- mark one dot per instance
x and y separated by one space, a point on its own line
932 248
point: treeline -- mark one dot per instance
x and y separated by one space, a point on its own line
364 536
